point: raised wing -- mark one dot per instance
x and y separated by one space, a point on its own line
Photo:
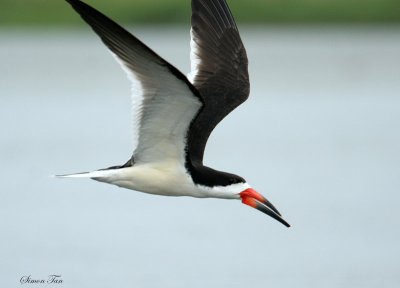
164 101
219 70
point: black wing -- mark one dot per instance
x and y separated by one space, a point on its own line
219 70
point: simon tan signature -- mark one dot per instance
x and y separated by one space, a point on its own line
51 279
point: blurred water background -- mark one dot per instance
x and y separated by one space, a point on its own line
319 137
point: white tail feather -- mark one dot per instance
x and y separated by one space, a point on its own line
93 174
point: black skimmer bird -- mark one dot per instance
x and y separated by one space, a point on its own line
176 114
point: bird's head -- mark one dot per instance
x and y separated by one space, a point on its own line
231 186
254 199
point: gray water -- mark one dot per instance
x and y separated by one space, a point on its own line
319 137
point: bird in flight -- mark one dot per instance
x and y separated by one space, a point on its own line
175 114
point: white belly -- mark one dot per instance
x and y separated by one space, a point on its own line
156 178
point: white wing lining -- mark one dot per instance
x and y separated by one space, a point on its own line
136 100
161 114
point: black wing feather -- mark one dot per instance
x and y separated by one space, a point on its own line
220 72
133 52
